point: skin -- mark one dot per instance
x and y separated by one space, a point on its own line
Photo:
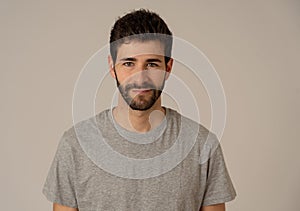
136 63
58 207
217 207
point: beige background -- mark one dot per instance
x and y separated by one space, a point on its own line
254 46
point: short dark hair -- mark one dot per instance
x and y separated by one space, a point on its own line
142 25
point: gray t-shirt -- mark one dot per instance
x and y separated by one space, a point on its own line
86 175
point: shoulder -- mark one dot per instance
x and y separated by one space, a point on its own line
74 135
191 125
205 141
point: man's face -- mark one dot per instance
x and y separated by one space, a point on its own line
141 71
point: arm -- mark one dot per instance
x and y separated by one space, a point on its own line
59 187
217 207
58 207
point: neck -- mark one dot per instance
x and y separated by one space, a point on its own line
138 121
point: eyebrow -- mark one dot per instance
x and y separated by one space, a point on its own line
128 59
154 60
134 60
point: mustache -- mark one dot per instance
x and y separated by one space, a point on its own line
145 85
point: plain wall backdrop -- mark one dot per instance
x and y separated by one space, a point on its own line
253 45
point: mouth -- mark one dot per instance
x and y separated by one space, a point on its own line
141 91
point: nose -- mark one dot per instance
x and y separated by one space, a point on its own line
141 76
140 73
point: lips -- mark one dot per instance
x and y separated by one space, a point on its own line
141 90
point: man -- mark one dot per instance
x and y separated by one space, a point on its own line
141 129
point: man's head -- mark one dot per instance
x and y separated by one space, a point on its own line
140 46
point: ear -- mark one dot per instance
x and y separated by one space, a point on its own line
111 66
169 68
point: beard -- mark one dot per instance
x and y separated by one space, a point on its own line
140 102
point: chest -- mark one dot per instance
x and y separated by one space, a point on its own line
182 188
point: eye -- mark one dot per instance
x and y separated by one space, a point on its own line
152 64
128 64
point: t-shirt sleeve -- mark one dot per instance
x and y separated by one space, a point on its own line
219 187
60 185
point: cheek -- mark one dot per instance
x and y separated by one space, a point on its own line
157 76
122 76
126 78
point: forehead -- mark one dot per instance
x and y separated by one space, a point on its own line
135 48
